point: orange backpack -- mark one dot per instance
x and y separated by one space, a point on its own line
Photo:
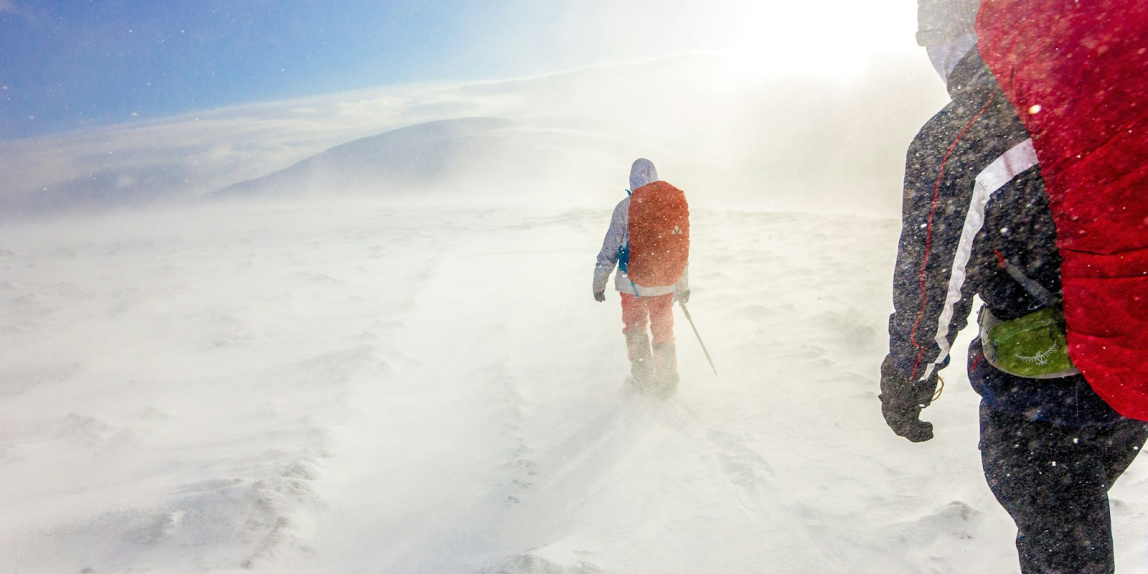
659 235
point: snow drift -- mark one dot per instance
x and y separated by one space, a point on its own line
365 386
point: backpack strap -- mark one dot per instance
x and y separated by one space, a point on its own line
624 257
624 249
1038 291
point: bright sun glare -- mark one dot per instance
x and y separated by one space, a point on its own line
832 39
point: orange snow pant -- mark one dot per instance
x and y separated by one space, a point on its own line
656 311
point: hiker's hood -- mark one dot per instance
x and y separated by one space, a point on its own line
945 57
946 29
642 173
943 21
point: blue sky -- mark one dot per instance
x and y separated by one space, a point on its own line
83 63
80 63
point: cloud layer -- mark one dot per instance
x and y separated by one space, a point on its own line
792 140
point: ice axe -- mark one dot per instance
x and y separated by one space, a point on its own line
696 334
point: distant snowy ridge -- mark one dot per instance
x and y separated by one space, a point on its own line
792 142
466 156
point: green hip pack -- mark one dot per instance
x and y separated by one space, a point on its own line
1032 346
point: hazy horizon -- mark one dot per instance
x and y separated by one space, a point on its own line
760 141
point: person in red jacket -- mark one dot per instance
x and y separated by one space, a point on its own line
647 303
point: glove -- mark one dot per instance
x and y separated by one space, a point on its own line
683 296
902 401
599 296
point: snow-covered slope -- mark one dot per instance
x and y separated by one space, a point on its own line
449 159
368 387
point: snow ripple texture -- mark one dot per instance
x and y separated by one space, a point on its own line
358 386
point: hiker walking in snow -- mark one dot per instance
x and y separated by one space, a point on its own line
648 240
976 220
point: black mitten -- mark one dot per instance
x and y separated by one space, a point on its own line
902 401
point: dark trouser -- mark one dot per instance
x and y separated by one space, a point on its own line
1054 480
